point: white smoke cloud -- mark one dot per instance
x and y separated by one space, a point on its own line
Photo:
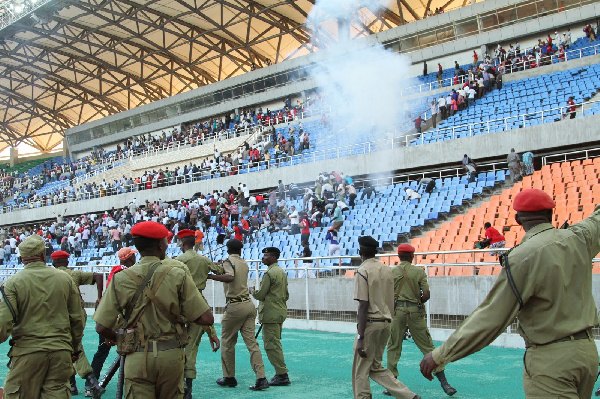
362 81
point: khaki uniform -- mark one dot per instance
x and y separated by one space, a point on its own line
199 267
272 312
48 327
409 281
374 283
552 270
239 316
82 365
151 372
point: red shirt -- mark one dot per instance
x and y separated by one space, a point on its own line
305 226
114 270
238 233
572 103
493 235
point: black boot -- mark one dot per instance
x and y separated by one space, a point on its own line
279 380
448 389
187 388
95 388
74 391
598 392
260 384
227 382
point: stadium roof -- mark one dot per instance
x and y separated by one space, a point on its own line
70 62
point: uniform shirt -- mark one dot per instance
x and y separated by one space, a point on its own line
236 267
416 281
552 269
48 310
177 291
493 235
199 266
374 282
273 295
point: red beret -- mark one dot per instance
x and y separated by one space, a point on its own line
406 249
185 233
150 229
59 255
532 200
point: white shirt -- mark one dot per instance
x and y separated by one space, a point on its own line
412 194
441 102
294 219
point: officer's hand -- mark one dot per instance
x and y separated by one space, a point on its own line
109 342
427 366
214 343
360 348
75 356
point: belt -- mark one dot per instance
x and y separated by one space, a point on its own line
583 334
406 304
237 299
157 346
378 320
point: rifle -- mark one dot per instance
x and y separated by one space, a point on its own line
111 372
121 379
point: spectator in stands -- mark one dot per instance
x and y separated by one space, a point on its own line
338 217
3 256
475 58
527 161
568 38
7 252
426 182
412 194
493 239
306 253
439 76
514 166
334 243
433 109
294 219
571 107
442 106
198 243
305 232
351 190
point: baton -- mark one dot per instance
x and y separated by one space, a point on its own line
121 377
258 332
111 372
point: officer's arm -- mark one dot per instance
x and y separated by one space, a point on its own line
99 281
9 311
106 332
424 287
425 296
193 305
75 319
224 278
589 230
215 268
363 307
265 286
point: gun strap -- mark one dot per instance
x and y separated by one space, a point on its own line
139 290
9 305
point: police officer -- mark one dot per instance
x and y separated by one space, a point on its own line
153 337
239 316
546 283
411 291
272 311
374 291
60 260
41 310
199 267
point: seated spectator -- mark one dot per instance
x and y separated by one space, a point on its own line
493 239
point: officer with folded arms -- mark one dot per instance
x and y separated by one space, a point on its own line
546 283
41 310
149 304
239 317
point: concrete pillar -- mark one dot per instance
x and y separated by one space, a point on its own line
14 156
65 148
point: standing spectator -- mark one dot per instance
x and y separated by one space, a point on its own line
294 221
571 107
351 190
115 235
514 165
434 112
305 232
527 160
281 190
7 252
442 107
2 255
424 68
338 217
272 312
439 76
198 243
475 58
306 263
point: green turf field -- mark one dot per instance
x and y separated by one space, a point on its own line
320 367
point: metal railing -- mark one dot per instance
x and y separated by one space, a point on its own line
571 156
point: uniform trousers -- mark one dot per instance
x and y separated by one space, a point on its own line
195 333
271 333
375 338
164 379
239 318
43 375
561 370
82 365
408 318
